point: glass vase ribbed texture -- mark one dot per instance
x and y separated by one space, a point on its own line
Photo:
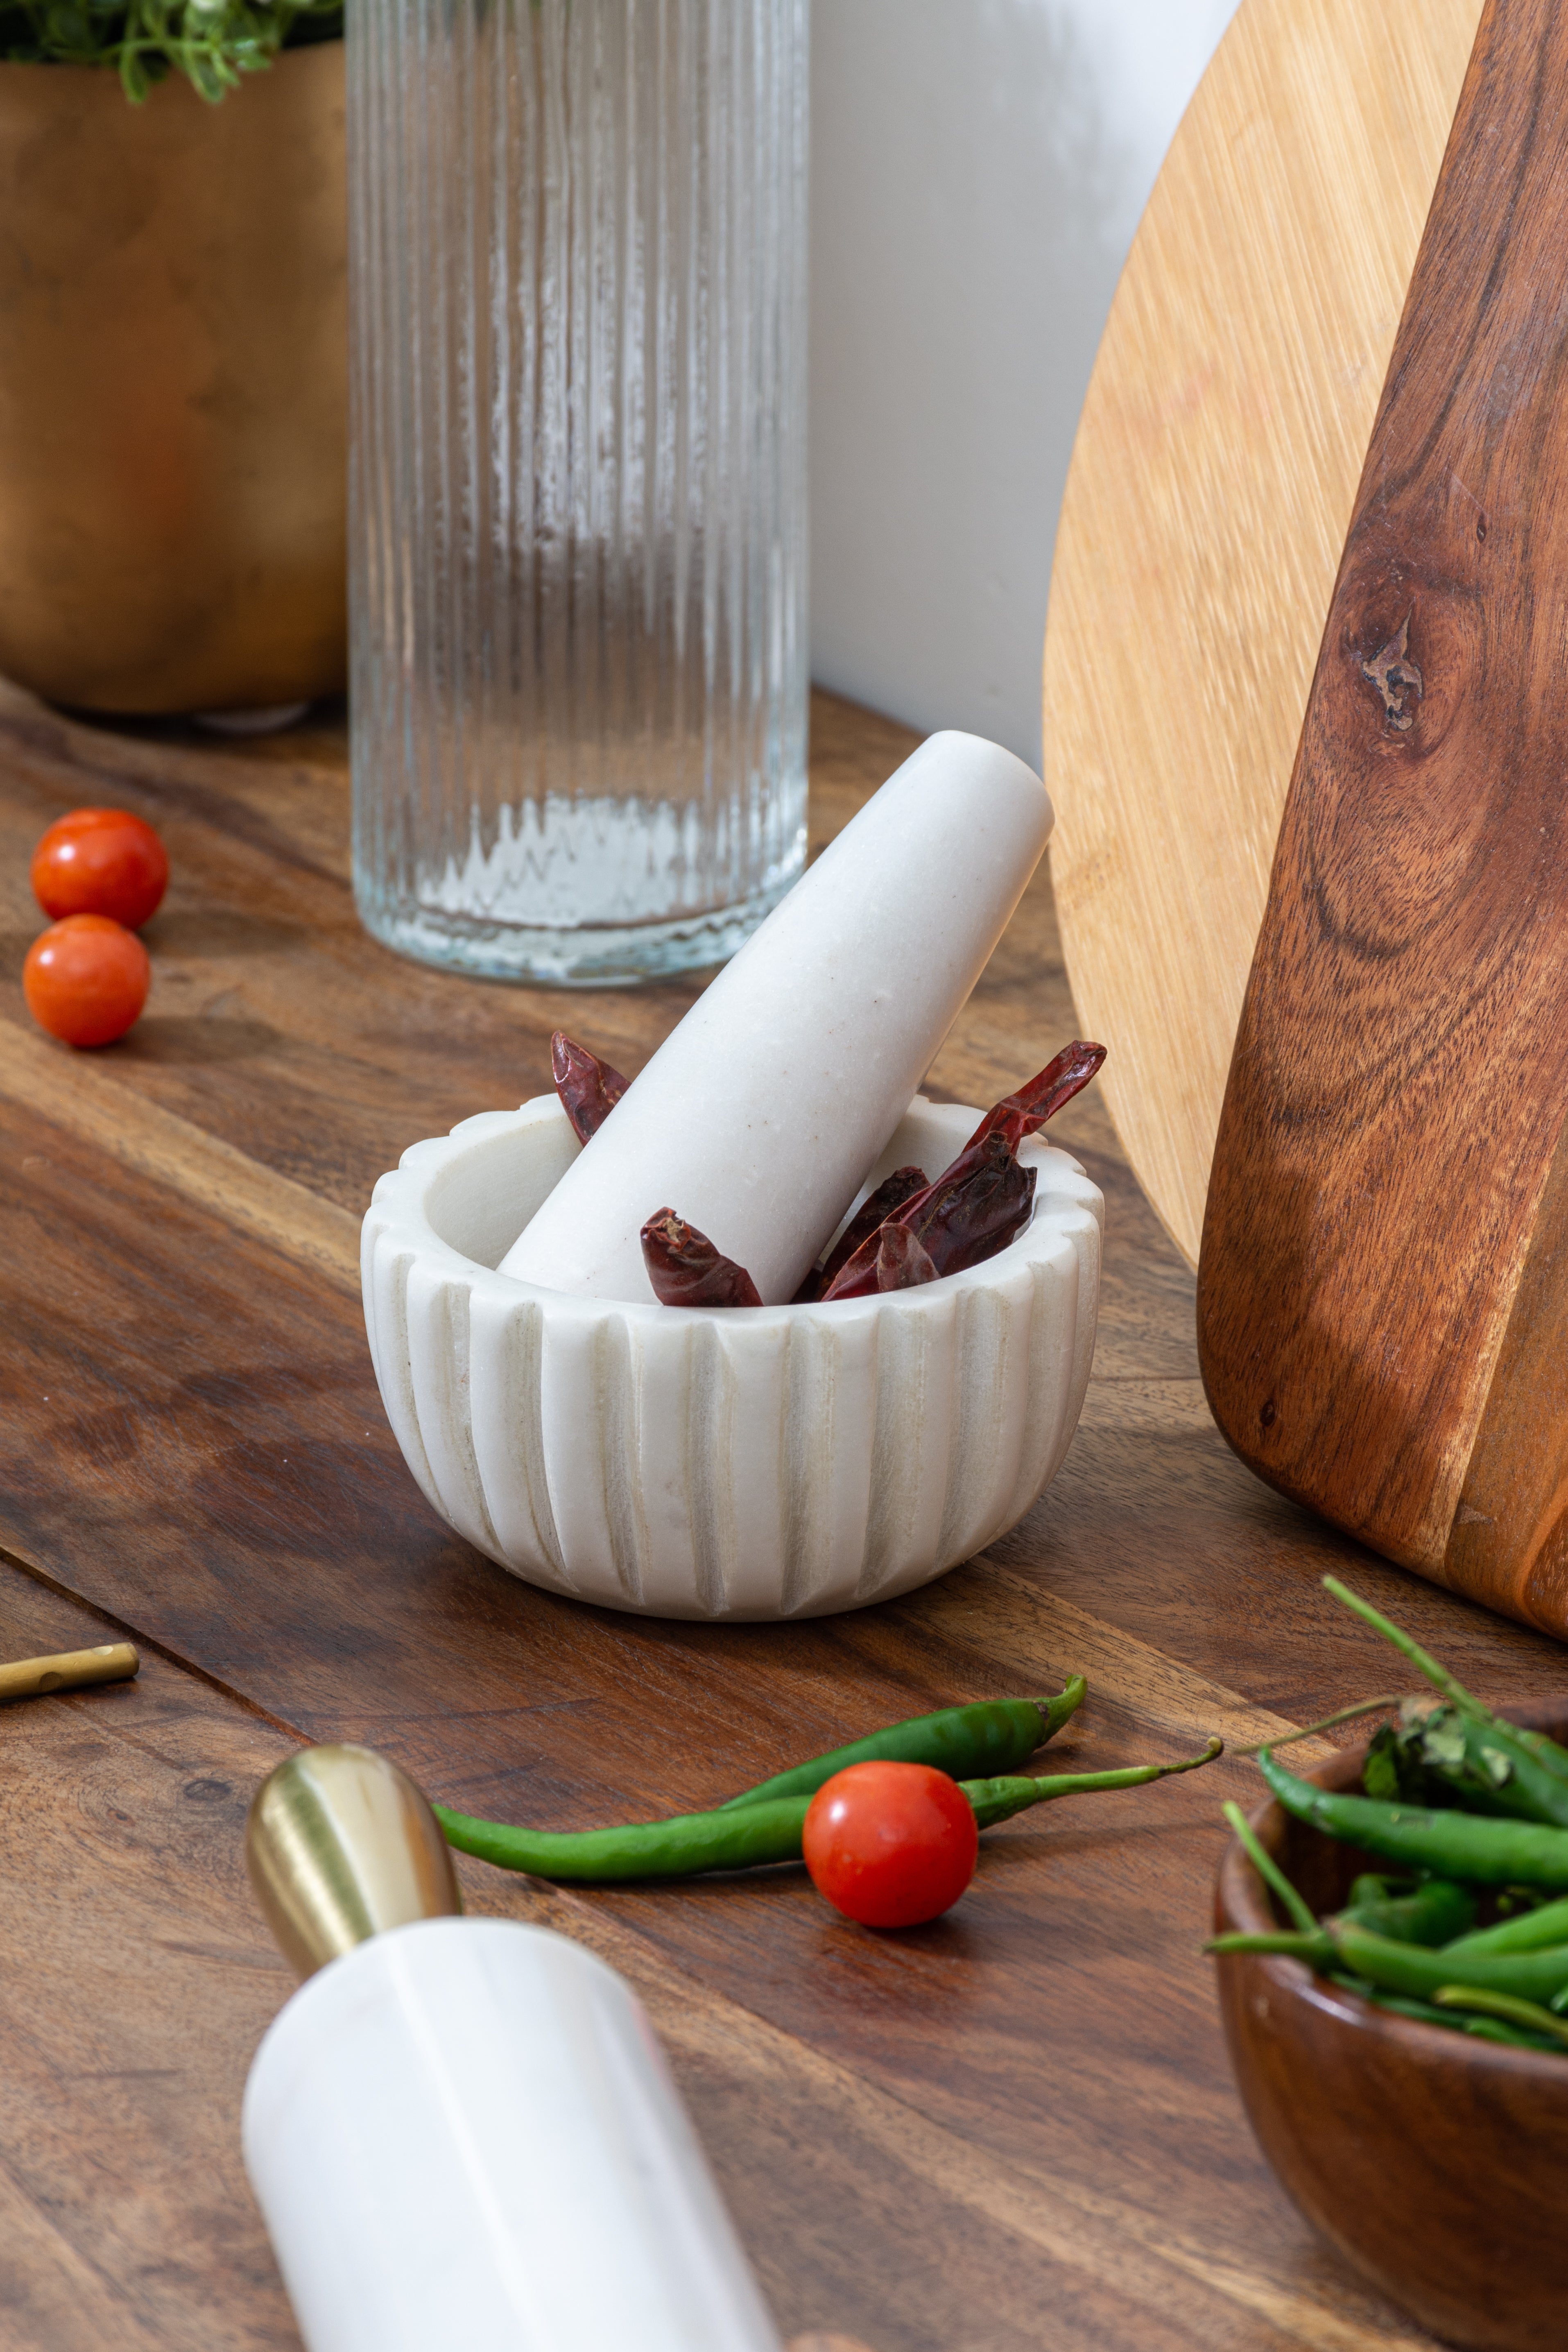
578 479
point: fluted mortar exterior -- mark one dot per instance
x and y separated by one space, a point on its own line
781 1462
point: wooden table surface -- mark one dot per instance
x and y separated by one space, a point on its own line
1015 2129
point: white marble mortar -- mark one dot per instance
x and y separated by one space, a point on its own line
687 1462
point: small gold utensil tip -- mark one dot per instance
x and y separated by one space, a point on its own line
340 1846
112 1662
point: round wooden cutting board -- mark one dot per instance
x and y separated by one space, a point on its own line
1206 506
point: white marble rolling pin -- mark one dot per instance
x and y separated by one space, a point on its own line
461 2132
759 1116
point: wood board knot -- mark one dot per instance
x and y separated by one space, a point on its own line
1397 678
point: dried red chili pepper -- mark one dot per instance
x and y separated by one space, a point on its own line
891 1194
686 1270
902 1263
974 1208
1021 1114
982 1201
589 1089
972 1215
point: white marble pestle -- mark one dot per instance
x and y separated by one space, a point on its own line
760 1116
462 2133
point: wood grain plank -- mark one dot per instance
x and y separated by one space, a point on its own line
1090 1531
138 1978
506 1699
113 1806
252 824
1039 2211
498 1696
72 1091
1008 1617
189 1434
135 1979
53 2297
1005 1625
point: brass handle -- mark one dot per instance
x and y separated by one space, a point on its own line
339 1845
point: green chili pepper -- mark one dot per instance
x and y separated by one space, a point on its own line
1547 1752
1508 2006
740 1837
967 1743
1528 1933
1491 2028
1537 1786
1411 1969
1483 2029
999 1799
1472 1846
1434 1914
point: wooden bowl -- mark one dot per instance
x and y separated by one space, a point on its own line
1435 2163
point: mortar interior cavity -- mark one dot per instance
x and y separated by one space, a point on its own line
480 1199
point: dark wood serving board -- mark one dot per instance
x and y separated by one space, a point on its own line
1383 1293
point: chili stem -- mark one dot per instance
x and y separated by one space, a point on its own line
998 1801
1422 1660
1324 1723
1269 1869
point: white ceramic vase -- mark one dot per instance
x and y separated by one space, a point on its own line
763 1462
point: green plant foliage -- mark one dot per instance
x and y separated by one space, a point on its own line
211 42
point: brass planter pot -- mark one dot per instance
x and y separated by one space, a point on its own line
173 335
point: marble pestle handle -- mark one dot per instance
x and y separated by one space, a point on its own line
759 1116
462 2132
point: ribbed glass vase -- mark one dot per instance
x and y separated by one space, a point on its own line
578 486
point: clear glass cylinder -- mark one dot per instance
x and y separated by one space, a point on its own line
578 478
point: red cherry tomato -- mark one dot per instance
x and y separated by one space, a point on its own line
890 1845
86 980
100 862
